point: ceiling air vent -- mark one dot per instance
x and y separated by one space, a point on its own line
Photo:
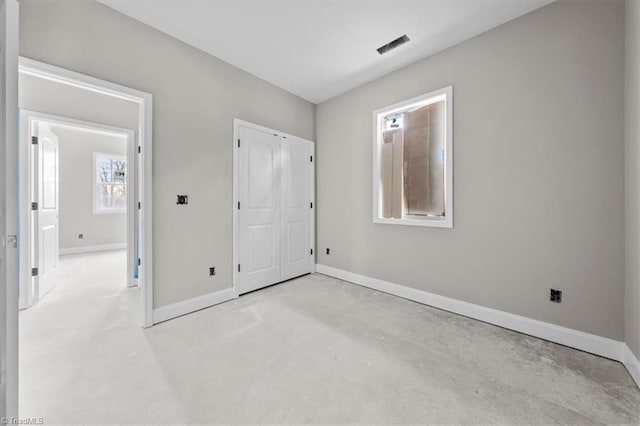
393 44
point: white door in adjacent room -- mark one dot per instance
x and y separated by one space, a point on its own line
46 210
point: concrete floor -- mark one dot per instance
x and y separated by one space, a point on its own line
312 350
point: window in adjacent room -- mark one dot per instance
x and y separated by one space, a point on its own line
110 185
412 182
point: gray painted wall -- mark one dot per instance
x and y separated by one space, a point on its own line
632 178
37 94
196 96
76 174
538 171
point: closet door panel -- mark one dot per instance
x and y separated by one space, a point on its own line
259 215
296 258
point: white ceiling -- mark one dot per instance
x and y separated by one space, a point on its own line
319 49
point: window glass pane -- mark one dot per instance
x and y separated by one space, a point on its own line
436 158
112 196
104 170
119 168
394 121
119 197
424 160
412 177
412 163
391 168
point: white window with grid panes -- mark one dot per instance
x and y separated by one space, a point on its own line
110 184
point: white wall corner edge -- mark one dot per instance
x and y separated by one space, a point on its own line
598 345
178 309
91 249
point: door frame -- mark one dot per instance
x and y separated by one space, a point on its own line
9 205
236 195
29 286
145 185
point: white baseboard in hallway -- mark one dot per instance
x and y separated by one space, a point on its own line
632 363
91 249
188 306
602 346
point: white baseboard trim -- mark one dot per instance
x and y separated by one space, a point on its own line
188 306
598 345
632 363
90 249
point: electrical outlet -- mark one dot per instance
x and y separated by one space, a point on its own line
212 271
183 199
328 251
555 296
80 236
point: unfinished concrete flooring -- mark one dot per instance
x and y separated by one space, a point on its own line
312 350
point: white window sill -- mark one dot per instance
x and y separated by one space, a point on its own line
445 222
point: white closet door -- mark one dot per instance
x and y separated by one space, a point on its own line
297 211
259 212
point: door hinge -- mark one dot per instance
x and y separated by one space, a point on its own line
34 272
311 159
139 262
238 267
34 140
238 143
34 205
311 251
311 204
238 205
139 205
139 149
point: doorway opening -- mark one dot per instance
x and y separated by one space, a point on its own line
81 183
62 102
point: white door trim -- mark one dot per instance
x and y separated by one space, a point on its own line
9 205
145 100
236 195
29 292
